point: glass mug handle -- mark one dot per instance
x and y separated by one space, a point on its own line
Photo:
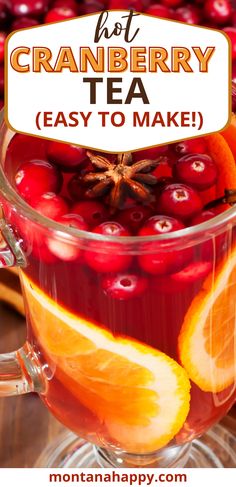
20 371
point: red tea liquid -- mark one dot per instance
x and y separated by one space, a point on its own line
155 319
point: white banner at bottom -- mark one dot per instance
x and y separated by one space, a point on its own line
132 477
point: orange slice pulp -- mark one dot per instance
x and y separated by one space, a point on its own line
138 393
207 341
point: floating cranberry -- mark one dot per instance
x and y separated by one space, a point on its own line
67 250
191 146
36 177
231 32
193 272
125 286
197 170
67 156
59 13
133 218
218 11
113 229
188 14
156 261
27 8
153 258
106 257
180 201
159 225
24 23
204 216
74 221
178 282
2 42
50 205
159 11
93 212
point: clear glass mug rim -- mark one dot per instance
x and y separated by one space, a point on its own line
211 226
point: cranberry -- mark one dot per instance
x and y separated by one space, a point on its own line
65 3
50 205
107 257
159 11
75 189
162 170
233 17
152 153
153 259
191 146
193 272
204 216
162 183
74 221
91 6
59 13
188 14
231 32
36 177
124 286
198 170
111 228
160 224
24 23
134 218
27 8
180 281
1 80
67 251
1 103
234 71
125 5
172 3
93 212
68 157
180 201
4 13
218 11
2 42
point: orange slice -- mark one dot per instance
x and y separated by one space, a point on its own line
207 343
221 153
138 393
229 135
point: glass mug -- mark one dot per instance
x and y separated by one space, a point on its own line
138 378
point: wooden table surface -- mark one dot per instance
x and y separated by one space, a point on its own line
26 427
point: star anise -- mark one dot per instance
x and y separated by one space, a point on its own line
120 178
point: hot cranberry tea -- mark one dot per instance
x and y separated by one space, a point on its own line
136 335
